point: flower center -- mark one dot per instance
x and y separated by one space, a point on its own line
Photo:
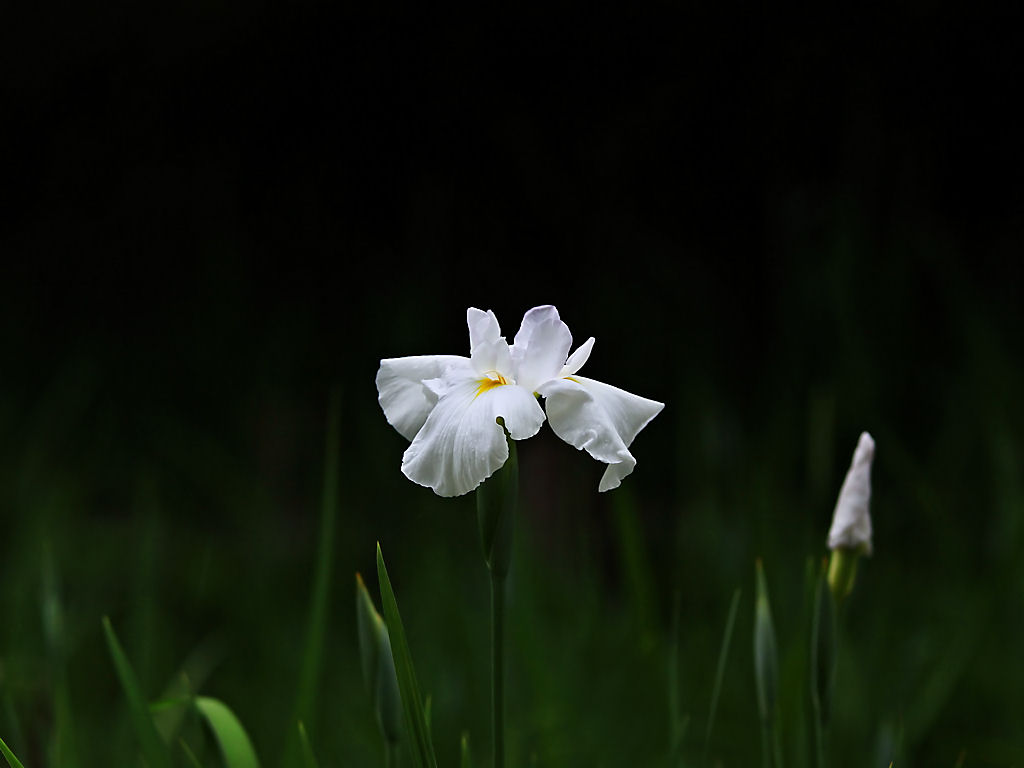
488 383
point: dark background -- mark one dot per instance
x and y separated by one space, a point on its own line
213 216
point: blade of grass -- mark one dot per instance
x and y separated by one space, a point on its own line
676 758
189 679
12 726
421 744
766 671
308 758
723 655
153 749
312 656
674 723
53 630
9 756
231 736
822 666
189 755
465 761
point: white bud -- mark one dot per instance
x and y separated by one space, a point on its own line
851 521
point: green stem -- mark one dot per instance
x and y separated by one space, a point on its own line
390 755
498 667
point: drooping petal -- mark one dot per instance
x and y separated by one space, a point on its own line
578 358
851 521
540 347
402 392
600 419
461 444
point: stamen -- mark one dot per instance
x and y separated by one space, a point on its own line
489 383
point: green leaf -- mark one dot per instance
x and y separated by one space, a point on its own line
465 761
766 671
189 755
153 748
422 746
9 756
234 742
766 657
723 655
378 665
308 758
316 630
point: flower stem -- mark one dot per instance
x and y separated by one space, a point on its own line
498 667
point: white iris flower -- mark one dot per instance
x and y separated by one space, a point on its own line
851 521
448 405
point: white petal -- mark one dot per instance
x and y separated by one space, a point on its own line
483 327
461 444
540 347
402 390
598 418
851 521
487 348
578 358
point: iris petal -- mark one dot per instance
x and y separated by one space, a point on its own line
460 444
600 419
540 347
578 358
483 327
403 391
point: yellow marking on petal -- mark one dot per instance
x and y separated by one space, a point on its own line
571 378
488 384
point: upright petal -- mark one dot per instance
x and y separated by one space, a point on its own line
851 521
483 327
487 347
578 358
402 393
600 419
540 347
461 444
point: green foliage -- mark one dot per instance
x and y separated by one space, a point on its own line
308 758
12 761
153 748
417 726
232 739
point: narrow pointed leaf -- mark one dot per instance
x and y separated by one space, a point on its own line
190 757
308 758
316 630
465 760
421 744
231 736
153 748
723 655
9 756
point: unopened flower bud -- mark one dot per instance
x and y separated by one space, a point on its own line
850 534
851 521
